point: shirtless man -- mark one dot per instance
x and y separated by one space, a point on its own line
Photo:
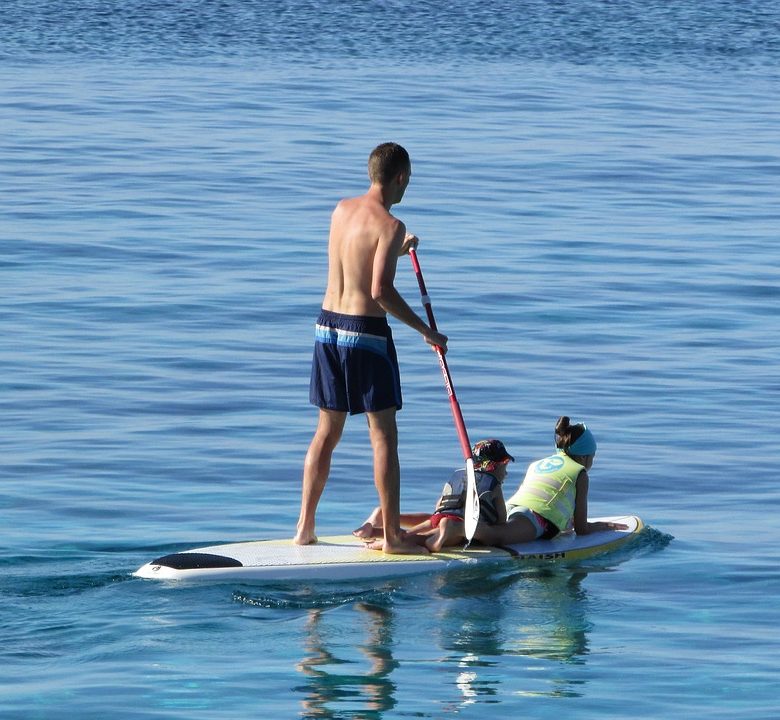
355 369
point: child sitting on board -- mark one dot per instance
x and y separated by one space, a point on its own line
445 527
553 496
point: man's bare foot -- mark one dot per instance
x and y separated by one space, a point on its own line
305 538
367 532
408 546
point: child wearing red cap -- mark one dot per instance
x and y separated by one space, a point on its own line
444 528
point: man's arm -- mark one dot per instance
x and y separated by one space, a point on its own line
392 244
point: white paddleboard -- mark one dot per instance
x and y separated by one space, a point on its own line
345 557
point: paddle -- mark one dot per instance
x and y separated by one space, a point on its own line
471 511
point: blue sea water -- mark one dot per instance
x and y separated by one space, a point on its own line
595 189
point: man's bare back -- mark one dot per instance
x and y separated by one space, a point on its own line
363 249
360 229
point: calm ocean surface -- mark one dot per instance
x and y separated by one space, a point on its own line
596 192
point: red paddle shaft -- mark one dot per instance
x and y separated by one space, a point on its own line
460 426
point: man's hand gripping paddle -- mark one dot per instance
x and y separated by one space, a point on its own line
471 511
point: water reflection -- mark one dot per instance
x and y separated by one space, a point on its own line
492 637
540 615
331 679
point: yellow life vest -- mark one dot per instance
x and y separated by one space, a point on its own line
550 489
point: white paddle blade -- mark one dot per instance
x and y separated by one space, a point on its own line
471 511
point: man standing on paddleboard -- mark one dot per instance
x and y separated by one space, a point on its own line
355 369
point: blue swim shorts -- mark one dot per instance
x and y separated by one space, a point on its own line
355 367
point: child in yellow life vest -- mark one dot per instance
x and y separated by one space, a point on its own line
553 497
445 527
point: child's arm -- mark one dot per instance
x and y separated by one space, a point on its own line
581 524
500 504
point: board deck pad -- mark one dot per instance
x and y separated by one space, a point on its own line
346 557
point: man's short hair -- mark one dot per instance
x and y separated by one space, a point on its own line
386 162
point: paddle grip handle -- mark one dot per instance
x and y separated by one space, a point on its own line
457 415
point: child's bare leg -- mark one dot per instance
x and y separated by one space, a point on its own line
450 532
434 541
373 527
372 524
419 522
409 520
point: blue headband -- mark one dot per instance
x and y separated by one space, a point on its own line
585 444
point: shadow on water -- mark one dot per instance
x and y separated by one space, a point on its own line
319 597
466 624
62 585
57 574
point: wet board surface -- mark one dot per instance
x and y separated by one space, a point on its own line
345 557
